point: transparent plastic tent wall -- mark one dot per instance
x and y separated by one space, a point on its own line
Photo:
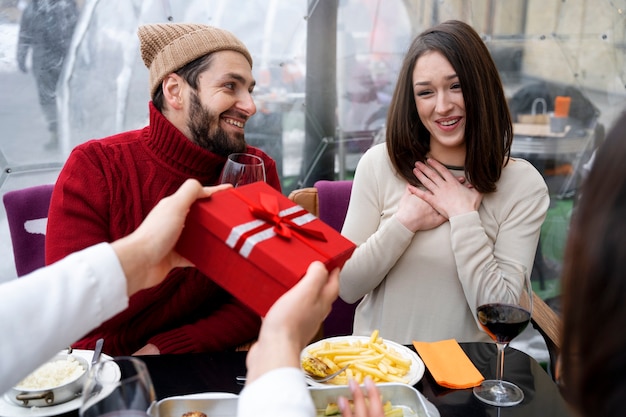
103 87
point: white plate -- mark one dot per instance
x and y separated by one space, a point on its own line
416 372
10 409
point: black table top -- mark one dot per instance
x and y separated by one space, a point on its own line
208 372
215 372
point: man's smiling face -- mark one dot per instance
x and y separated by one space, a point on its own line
219 109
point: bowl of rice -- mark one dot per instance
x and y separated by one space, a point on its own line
57 381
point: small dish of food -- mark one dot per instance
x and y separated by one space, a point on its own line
11 406
55 382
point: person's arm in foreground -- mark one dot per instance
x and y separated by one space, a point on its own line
45 311
275 384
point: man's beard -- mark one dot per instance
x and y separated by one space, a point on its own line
206 131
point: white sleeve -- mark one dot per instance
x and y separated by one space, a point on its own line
49 309
281 392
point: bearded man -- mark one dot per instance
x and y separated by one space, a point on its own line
201 87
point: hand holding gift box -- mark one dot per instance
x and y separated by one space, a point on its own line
257 244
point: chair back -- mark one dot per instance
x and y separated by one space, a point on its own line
333 198
27 216
328 200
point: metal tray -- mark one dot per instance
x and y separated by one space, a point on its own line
220 404
213 404
412 402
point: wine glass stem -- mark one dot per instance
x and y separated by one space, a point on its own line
500 361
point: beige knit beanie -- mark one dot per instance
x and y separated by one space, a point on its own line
167 47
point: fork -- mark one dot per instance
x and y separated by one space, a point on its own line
320 379
309 376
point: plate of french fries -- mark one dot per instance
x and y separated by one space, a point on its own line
383 360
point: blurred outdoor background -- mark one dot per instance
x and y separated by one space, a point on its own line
325 72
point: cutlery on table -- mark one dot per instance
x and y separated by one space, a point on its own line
97 352
308 375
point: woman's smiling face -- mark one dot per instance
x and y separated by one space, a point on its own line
440 106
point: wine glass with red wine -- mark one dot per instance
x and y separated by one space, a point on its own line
504 315
118 387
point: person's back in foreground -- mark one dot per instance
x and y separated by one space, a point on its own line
594 286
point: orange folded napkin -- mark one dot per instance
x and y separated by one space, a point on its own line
448 364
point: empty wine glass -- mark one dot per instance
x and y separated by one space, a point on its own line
503 316
242 168
118 387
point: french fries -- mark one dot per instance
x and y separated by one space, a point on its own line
372 357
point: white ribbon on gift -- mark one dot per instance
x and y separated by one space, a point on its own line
237 233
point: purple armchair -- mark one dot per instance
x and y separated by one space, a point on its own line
27 215
333 198
329 200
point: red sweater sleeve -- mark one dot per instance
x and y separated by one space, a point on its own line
79 208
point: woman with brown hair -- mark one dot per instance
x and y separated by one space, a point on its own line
441 199
594 286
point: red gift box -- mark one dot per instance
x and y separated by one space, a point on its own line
257 244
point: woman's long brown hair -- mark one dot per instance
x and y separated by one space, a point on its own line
488 127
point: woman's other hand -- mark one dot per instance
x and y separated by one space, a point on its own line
416 214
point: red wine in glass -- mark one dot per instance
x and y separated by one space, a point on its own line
503 322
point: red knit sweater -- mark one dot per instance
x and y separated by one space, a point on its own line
105 190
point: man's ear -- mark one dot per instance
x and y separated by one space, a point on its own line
173 86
